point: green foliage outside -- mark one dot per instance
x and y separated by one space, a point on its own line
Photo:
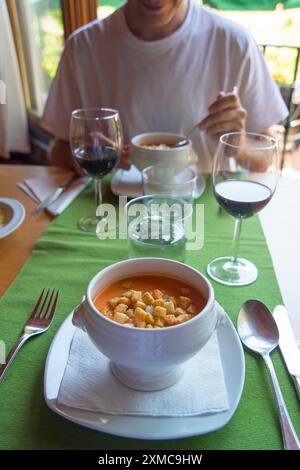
110 3
281 62
48 36
52 46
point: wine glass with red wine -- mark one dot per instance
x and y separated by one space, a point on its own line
96 143
244 178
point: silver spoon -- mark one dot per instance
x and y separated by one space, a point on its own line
258 331
184 141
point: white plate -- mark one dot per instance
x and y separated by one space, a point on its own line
13 213
147 427
129 183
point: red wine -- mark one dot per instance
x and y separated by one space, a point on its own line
97 162
242 198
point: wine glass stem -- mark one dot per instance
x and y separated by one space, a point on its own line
98 192
236 238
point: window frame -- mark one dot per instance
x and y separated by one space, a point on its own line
76 13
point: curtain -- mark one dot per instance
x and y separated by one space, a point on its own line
251 4
13 119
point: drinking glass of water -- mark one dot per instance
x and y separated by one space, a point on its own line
157 227
244 178
166 181
96 143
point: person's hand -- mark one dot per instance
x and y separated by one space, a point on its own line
124 163
226 114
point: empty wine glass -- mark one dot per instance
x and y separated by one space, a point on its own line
244 178
96 143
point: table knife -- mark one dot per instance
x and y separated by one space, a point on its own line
55 194
288 345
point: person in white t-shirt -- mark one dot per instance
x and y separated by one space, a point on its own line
165 65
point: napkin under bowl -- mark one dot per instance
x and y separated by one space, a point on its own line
89 384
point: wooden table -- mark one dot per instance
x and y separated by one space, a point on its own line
17 247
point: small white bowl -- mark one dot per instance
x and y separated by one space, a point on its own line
144 358
175 158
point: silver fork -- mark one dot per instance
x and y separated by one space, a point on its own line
38 322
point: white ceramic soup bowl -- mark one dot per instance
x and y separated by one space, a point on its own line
145 358
175 159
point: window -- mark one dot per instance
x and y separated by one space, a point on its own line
41 35
39 28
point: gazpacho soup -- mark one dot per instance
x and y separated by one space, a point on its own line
157 146
149 301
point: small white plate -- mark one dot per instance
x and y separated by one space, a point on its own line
12 214
147 427
129 183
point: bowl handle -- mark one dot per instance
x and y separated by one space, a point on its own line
78 313
220 315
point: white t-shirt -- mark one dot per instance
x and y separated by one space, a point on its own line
164 85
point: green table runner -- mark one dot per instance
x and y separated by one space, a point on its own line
66 258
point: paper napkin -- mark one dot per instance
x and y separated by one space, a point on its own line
40 188
89 384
